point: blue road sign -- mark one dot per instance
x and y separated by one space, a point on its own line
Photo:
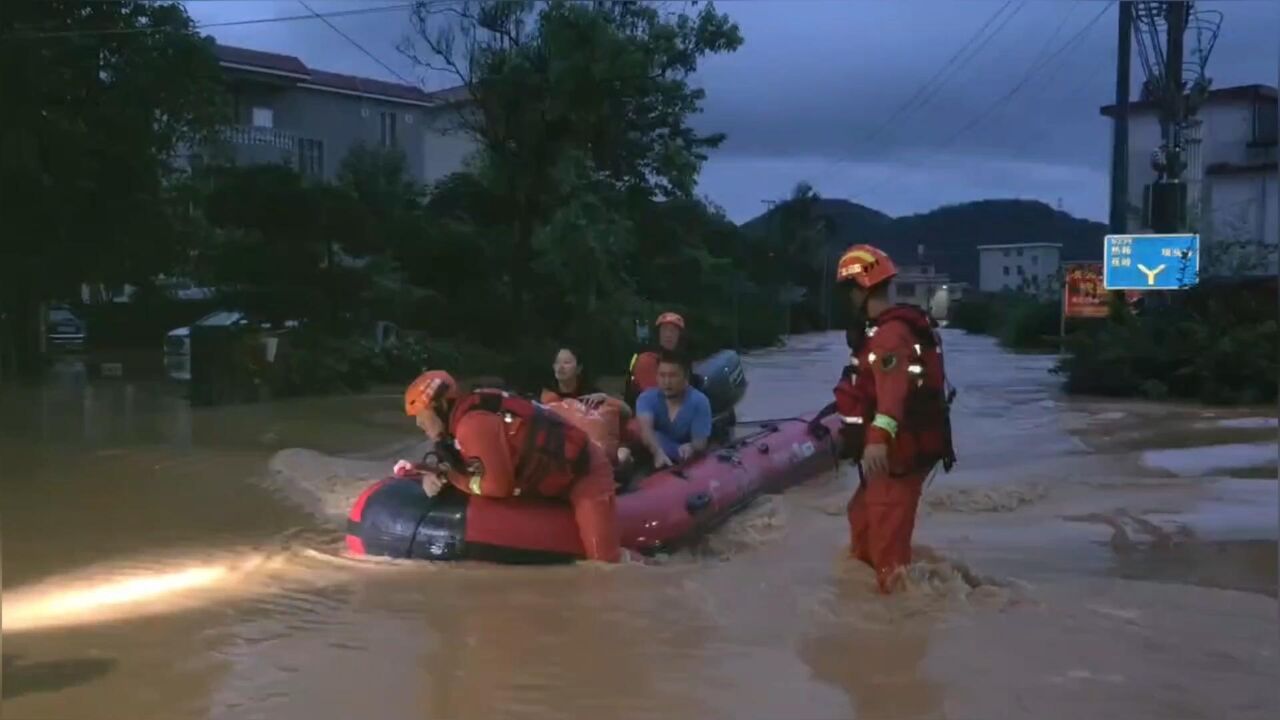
1150 262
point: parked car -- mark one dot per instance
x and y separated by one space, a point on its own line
177 342
64 329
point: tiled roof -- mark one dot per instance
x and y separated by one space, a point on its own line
260 59
275 62
369 86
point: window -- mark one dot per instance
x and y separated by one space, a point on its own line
388 138
311 157
1035 259
1006 252
1021 271
263 117
1264 122
1019 252
906 289
1006 268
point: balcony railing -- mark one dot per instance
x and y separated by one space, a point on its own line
249 144
261 136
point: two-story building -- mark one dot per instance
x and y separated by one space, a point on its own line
1024 267
917 285
286 112
1231 174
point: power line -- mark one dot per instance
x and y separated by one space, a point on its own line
1030 74
357 45
949 64
1076 92
1058 30
1036 68
929 88
977 51
202 26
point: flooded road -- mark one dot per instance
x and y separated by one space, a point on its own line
1084 559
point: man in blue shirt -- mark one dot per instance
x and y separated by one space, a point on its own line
675 418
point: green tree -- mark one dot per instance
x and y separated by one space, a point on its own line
387 201
580 110
792 255
96 102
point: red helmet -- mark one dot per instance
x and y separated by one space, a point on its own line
430 388
670 318
865 265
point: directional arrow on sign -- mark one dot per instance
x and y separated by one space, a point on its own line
1151 274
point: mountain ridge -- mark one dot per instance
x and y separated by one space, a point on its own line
950 235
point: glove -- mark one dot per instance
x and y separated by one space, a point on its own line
404 468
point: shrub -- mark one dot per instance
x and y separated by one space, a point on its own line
1214 343
1016 320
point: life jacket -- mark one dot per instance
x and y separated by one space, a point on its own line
642 374
602 424
924 433
547 453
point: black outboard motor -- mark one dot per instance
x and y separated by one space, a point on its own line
724 383
395 518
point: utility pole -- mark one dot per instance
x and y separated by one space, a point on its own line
1120 124
1169 193
771 205
1176 17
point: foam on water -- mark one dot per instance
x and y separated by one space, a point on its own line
1197 461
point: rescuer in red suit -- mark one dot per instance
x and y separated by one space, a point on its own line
894 405
504 446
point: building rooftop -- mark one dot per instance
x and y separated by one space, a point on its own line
288 66
1225 168
1020 245
1235 92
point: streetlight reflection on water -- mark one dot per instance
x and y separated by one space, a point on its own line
116 592
108 595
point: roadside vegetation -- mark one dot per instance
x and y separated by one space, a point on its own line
1018 321
1216 343
575 218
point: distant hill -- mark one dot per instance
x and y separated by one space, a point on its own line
848 218
950 235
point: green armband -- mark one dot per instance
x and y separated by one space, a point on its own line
886 423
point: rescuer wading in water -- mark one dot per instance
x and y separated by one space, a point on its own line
894 404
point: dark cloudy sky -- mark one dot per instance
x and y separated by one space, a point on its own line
813 91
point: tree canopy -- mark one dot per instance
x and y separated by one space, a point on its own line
96 102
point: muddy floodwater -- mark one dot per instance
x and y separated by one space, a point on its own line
1085 559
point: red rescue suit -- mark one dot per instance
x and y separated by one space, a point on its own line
509 446
894 393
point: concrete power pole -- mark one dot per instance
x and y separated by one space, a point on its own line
1168 198
1120 126
1175 79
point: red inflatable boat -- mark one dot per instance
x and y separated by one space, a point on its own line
395 518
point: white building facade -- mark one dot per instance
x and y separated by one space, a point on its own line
1026 267
917 285
1231 176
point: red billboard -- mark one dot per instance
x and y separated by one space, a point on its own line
1083 294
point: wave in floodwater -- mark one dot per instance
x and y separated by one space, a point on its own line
292 573
157 585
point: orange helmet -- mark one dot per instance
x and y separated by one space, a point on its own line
865 265
670 318
431 387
